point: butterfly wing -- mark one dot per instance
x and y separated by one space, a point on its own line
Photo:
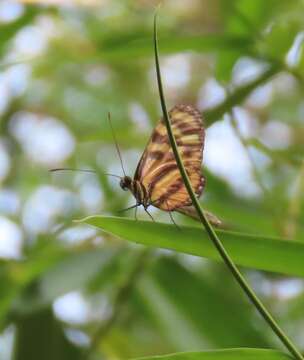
157 169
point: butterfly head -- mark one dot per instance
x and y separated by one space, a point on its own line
125 183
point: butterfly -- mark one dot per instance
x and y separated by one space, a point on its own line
157 180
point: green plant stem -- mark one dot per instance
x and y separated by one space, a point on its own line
240 93
212 235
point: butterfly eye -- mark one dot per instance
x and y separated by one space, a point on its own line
125 183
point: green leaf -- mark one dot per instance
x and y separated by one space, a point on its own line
187 321
15 276
227 354
41 336
141 46
8 31
224 64
258 252
280 38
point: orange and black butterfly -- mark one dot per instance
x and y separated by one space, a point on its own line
157 180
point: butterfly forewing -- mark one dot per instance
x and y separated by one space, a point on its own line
157 169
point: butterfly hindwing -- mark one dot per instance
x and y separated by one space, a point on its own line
157 169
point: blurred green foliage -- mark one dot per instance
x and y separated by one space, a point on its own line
70 292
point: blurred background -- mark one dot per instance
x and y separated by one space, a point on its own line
68 289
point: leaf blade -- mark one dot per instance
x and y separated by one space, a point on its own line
258 252
225 354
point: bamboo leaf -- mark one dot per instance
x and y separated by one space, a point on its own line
126 45
226 354
258 252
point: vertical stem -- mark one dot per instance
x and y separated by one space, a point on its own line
211 233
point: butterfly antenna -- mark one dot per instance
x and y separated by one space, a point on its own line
82 170
116 144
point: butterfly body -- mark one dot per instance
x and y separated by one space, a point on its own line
138 190
157 180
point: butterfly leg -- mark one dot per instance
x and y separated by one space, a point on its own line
172 219
171 216
149 214
135 212
129 208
